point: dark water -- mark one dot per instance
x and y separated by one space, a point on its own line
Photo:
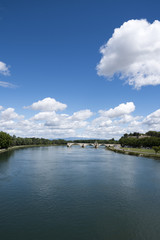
60 193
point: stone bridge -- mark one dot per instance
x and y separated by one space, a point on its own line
95 145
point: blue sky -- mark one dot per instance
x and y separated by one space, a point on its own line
50 58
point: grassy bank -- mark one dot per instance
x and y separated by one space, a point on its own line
149 153
22 146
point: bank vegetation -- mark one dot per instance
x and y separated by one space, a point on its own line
136 143
8 141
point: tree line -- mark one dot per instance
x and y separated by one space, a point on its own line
147 140
137 134
7 141
100 141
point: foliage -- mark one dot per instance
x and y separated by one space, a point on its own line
59 141
143 142
156 149
153 134
100 141
135 134
134 140
5 140
19 141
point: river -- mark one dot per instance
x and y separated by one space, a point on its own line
60 193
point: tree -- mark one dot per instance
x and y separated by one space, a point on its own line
5 140
156 149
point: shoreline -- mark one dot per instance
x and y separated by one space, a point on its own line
134 153
113 149
22 146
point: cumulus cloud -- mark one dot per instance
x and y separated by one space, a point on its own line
64 121
66 124
133 52
43 116
129 119
101 122
4 68
81 115
153 119
113 122
47 105
122 109
9 114
55 121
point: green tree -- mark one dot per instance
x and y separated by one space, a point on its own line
156 149
5 140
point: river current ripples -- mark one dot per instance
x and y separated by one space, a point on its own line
60 193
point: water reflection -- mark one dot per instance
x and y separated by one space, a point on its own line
75 193
5 156
4 162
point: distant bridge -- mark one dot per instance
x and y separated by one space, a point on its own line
95 145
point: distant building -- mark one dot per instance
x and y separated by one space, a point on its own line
143 136
139 136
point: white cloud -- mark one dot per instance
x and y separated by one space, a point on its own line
133 52
1 108
81 115
63 121
4 68
54 121
43 116
59 124
47 105
104 122
104 132
9 114
113 122
153 119
129 119
122 109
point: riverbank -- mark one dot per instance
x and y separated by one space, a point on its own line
22 146
149 153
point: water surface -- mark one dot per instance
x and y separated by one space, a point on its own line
60 193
